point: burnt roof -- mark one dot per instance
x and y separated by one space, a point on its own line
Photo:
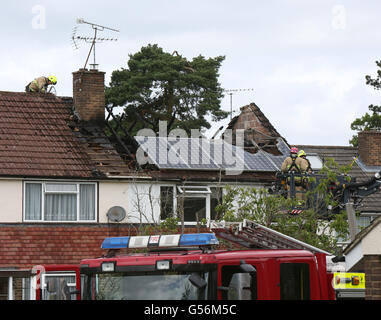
259 133
260 116
38 138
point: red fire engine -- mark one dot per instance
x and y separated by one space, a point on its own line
188 266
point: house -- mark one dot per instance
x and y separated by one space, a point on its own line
364 255
66 185
59 176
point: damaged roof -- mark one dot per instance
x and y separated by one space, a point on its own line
38 138
259 133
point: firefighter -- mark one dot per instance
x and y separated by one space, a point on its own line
303 155
41 84
293 162
305 181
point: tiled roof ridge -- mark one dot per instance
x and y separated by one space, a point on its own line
326 147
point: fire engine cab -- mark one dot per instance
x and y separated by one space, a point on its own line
187 267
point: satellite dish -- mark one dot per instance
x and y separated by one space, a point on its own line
116 214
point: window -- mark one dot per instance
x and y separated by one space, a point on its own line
53 286
197 202
240 285
4 288
166 202
194 208
193 189
47 201
194 203
294 281
169 285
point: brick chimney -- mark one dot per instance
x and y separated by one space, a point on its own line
89 95
369 144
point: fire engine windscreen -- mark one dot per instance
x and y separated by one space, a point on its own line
143 286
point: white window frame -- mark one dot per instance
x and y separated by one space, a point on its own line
194 189
43 190
191 191
206 196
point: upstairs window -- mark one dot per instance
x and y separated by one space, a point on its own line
61 202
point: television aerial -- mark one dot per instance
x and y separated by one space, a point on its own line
230 93
93 40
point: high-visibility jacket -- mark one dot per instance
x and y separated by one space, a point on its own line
309 168
39 85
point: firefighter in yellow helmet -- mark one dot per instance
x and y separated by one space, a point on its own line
295 164
41 84
307 165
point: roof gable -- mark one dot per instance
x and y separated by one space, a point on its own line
259 133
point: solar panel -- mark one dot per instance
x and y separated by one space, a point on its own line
194 152
204 154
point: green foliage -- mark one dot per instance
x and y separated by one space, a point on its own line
271 210
250 203
159 86
372 120
169 225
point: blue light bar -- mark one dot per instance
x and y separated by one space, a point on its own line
115 243
198 239
189 239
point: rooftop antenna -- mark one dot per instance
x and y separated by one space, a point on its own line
93 40
230 92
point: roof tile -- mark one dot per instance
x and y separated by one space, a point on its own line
36 140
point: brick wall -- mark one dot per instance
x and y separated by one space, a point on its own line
369 144
88 95
256 128
248 120
372 268
26 245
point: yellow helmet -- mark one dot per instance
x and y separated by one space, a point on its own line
52 79
301 153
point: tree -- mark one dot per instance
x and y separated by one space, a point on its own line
271 210
369 121
159 86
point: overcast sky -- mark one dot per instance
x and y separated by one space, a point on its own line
305 60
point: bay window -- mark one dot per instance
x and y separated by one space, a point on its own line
51 201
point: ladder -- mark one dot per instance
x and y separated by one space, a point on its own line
252 235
